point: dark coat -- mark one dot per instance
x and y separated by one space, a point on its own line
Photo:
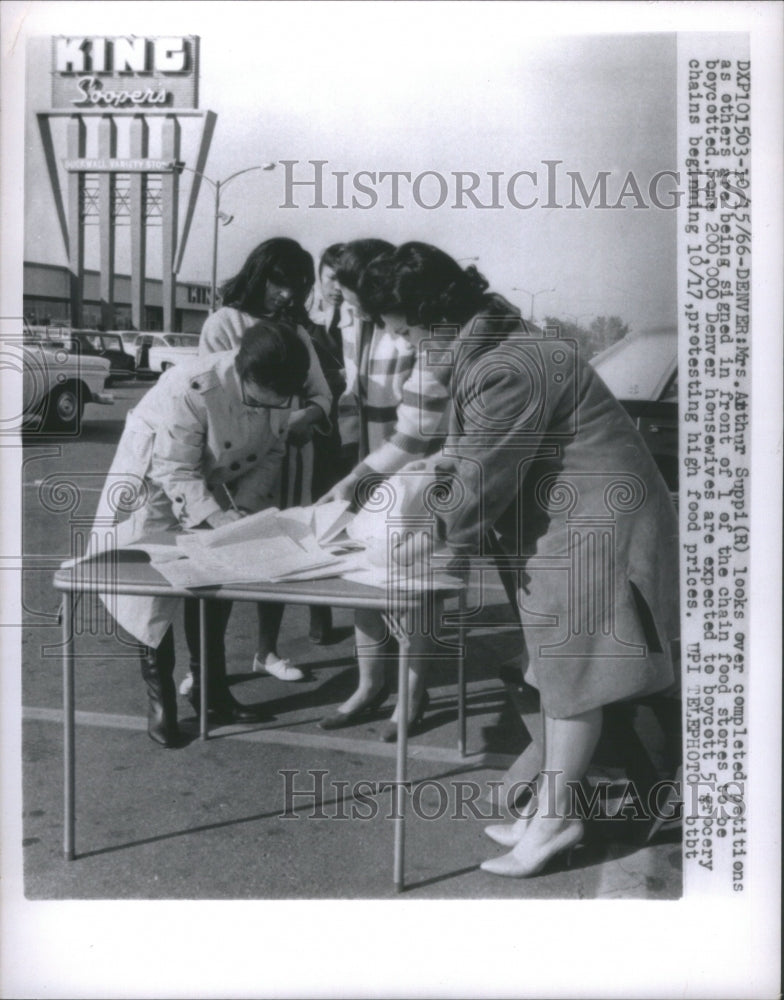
543 454
331 459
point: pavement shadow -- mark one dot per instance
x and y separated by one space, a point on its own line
175 834
292 811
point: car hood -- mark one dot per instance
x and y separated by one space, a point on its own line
640 365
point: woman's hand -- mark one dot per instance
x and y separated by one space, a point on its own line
344 490
414 550
301 425
221 517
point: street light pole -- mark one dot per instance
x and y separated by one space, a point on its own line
217 187
214 278
533 297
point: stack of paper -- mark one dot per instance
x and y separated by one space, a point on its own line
266 547
298 544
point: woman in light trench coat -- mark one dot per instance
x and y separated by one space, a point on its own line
210 429
540 453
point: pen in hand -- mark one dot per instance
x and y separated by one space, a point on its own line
234 507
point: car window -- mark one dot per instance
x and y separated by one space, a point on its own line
86 343
182 340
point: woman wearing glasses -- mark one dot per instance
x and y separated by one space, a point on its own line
275 281
203 447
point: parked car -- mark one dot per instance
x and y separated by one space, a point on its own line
58 384
641 370
122 364
155 352
128 337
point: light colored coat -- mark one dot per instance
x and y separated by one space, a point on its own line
188 441
222 331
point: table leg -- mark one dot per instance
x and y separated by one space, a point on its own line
461 680
69 723
402 754
203 670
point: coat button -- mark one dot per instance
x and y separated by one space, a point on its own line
195 385
234 466
178 499
251 458
227 444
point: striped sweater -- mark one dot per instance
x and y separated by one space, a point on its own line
402 401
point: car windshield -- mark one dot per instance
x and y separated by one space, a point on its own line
90 340
182 340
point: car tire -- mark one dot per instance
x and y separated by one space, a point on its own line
165 365
65 407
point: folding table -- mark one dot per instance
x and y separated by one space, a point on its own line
122 574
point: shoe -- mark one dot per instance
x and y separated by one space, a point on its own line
505 834
388 732
339 720
320 633
227 710
284 670
521 862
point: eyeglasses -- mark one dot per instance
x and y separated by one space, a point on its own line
284 402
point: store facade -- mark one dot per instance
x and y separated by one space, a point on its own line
47 301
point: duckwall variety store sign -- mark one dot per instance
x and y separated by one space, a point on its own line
124 72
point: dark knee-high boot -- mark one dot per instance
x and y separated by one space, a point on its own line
158 673
222 706
320 633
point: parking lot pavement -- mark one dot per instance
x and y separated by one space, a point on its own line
282 809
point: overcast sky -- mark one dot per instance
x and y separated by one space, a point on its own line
414 88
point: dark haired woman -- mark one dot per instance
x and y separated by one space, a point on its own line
402 417
209 429
275 281
544 455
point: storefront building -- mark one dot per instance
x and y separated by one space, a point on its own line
47 301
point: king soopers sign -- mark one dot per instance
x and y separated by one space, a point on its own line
125 72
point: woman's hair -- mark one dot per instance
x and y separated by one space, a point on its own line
423 284
355 258
272 354
331 257
280 260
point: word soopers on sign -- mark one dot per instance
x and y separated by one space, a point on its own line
129 71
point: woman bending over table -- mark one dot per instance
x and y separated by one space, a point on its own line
201 448
543 454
